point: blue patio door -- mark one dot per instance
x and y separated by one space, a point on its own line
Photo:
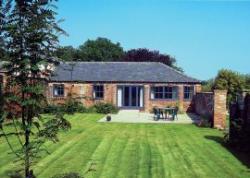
131 96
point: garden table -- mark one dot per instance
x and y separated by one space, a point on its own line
166 110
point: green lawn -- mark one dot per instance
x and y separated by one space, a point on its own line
134 150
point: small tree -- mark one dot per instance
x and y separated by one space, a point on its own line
230 81
29 34
207 86
247 81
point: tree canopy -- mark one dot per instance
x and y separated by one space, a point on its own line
143 54
247 81
146 55
229 80
66 53
207 85
101 49
29 32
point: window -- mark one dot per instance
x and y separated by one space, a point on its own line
164 92
188 92
168 92
58 90
98 91
158 92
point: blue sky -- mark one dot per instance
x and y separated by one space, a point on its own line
203 36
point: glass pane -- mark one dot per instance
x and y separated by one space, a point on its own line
126 96
133 96
141 96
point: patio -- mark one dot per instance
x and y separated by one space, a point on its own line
135 116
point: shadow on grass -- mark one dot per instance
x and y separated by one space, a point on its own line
242 156
10 134
196 119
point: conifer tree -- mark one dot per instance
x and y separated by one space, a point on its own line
29 33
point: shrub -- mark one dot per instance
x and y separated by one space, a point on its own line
205 122
105 108
91 109
51 108
68 107
72 106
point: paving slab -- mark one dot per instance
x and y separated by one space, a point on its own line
135 116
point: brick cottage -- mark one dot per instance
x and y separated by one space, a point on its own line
131 85
127 85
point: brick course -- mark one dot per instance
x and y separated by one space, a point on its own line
84 93
213 106
220 109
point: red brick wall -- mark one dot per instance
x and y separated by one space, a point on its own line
220 108
184 105
204 103
212 105
84 93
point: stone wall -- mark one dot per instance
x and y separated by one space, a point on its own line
212 105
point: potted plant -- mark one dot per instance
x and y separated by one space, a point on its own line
108 118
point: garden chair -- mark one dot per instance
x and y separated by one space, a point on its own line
175 113
167 113
156 114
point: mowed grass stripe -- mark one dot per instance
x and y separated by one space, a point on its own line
196 151
129 157
213 162
134 150
216 161
157 168
168 146
184 156
82 144
165 150
112 158
100 155
172 153
67 142
144 153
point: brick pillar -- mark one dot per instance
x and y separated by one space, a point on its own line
181 97
220 109
114 97
147 98
198 88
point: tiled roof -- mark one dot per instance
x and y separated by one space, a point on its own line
118 72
